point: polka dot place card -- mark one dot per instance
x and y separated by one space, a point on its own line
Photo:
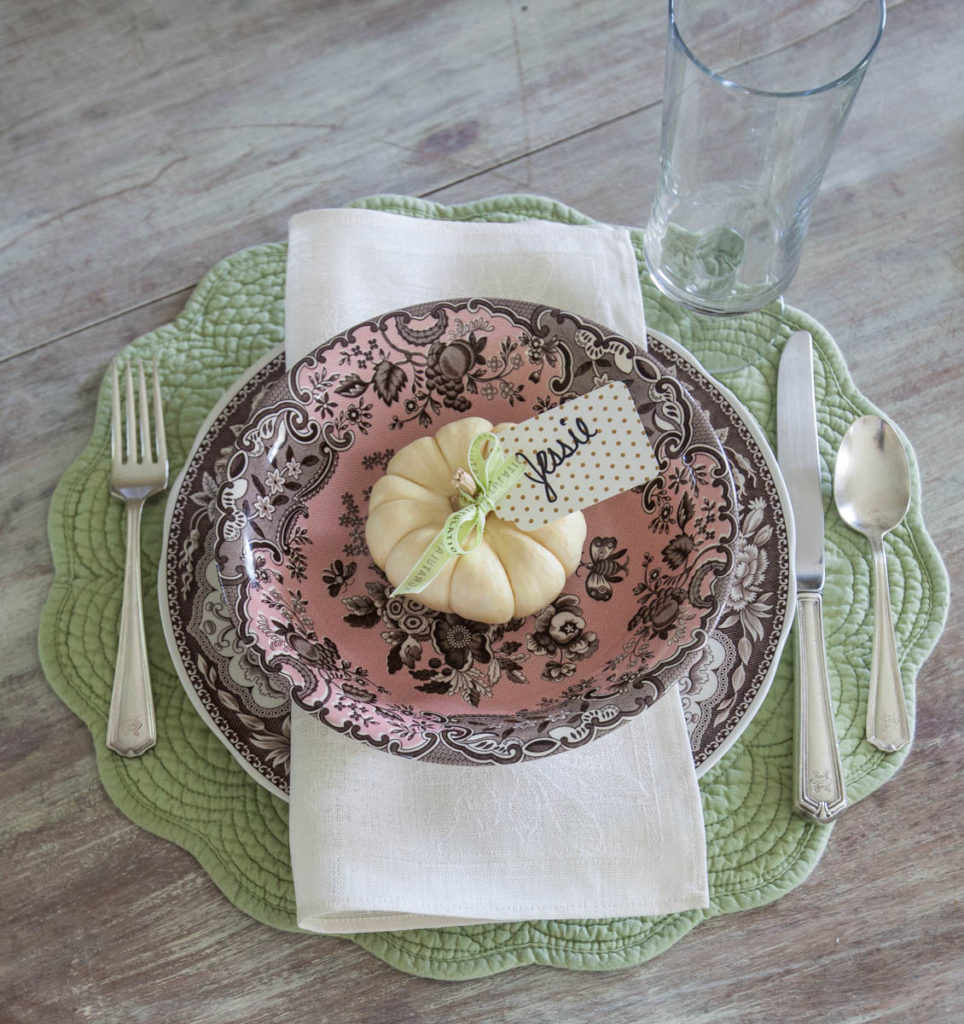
580 453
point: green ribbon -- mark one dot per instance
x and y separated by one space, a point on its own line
461 533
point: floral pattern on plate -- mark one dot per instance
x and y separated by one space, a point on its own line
312 605
247 708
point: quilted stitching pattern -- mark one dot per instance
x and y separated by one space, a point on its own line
191 791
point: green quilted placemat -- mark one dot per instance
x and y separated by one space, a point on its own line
190 790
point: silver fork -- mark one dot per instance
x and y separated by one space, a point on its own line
137 472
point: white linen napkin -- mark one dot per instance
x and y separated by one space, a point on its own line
381 843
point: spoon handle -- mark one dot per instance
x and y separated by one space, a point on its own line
888 728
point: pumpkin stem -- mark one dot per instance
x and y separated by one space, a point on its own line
464 483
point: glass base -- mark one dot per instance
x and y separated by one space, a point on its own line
711 289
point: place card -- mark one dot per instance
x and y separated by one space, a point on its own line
576 455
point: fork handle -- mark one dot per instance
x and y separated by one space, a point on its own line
130 725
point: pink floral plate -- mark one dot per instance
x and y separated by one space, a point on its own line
310 603
247 707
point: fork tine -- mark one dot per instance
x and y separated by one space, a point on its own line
130 426
147 450
160 438
116 440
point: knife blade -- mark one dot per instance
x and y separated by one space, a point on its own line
818 775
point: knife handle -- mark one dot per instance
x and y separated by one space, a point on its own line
819 790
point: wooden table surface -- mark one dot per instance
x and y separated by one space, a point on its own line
141 143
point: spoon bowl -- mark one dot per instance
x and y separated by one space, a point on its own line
872 492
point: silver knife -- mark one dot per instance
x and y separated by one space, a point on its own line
818 775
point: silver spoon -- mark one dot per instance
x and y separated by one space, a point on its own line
872 491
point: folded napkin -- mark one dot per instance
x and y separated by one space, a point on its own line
381 843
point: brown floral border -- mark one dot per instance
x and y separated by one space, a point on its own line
290 451
719 697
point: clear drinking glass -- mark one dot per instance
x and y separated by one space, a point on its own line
755 95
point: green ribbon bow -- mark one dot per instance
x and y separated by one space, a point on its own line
493 475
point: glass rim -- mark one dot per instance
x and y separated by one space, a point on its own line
729 83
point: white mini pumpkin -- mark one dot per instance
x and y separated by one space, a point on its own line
511 574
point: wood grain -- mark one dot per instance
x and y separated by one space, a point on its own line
178 132
142 143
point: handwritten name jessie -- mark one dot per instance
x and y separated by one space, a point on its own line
543 462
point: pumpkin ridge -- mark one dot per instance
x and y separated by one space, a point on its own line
414 529
462 460
441 452
487 578
408 479
539 544
439 449
416 501
508 576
